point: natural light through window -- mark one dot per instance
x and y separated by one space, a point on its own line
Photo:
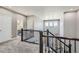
46 23
55 23
51 24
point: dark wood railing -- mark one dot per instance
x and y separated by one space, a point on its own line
64 43
54 44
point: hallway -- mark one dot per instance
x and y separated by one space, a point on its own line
60 21
16 46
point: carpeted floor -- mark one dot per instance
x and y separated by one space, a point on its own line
16 46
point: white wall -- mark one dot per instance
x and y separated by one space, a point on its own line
30 22
58 13
20 19
45 13
77 31
8 25
52 13
5 25
70 24
14 25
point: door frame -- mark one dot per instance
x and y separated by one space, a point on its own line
52 20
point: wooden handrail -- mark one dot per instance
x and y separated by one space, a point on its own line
67 38
52 34
62 37
33 30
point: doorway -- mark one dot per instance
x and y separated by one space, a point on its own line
52 25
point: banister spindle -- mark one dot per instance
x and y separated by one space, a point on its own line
69 46
45 46
60 46
41 42
48 41
22 34
56 44
52 44
75 46
64 46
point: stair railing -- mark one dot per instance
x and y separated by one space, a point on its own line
54 44
61 44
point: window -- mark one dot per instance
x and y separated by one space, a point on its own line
46 23
51 24
55 23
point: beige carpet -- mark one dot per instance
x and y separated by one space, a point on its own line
16 46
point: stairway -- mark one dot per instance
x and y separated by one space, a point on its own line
49 43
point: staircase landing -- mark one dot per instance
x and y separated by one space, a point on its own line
16 46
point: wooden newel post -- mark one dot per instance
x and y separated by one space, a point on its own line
22 34
41 42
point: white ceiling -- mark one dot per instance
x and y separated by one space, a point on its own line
34 10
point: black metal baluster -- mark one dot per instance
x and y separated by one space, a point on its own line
69 46
60 46
41 42
64 46
48 41
45 45
45 48
75 46
52 44
56 44
21 34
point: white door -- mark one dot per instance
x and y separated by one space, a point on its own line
5 27
52 25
